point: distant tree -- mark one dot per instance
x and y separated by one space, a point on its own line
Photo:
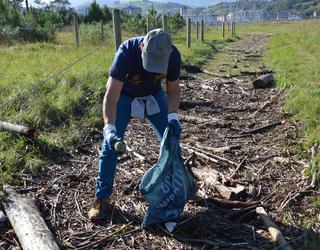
106 14
10 13
60 5
176 22
154 18
95 13
133 23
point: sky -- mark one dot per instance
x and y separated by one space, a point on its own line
75 3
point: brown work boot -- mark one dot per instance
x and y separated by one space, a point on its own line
99 208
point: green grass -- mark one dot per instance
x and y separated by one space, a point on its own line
66 107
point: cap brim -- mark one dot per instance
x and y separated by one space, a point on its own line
155 65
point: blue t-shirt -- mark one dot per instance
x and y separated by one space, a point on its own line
127 68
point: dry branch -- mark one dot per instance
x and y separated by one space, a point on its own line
273 229
239 166
28 132
268 102
314 180
261 129
219 149
27 222
205 154
233 204
139 156
195 119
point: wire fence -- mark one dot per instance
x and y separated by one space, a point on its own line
37 84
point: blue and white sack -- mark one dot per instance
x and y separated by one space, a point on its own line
168 185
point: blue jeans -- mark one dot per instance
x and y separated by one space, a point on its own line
108 158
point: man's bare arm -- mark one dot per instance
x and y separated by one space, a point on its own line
110 100
173 95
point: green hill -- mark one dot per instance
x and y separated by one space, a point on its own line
305 8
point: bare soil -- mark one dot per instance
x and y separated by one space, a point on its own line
217 110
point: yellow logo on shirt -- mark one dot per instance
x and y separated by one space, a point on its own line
160 76
135 79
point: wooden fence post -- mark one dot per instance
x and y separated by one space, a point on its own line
234 28
189 33
76 29
197 27
165 22
231 28
102 30
202 31
116 28
223 30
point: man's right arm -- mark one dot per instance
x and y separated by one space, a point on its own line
110 100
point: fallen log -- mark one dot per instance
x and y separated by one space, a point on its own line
264 81
273 229
28 132
27 222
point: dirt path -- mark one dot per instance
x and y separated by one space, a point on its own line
215 112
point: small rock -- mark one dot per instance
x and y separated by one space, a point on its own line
281 160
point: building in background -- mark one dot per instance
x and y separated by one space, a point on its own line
133 10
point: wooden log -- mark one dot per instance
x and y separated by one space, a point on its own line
273 229
264 81
28 132
27 223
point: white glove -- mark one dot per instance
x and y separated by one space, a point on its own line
173 116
